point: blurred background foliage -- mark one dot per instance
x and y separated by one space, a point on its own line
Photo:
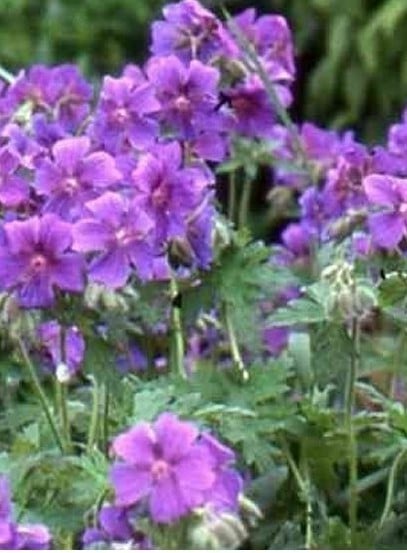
352 54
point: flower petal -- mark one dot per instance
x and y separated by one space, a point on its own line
174 436
112 269
387 229
99 169
136 445
68 152
381 190
130 483
90 235
166 501
67 273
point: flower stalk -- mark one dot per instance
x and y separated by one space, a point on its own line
351 433
40 393
177 343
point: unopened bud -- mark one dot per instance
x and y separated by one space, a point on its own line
218 531
63 373
249 510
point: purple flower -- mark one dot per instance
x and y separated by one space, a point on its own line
13 188
66 347
121 233
168 192
116 527
35 258
190 31
74 176
200 234
275 339
125 114
60 91
271 37
252 109
20 144
397 139
313 210
164 464
388 226
344 188
183 91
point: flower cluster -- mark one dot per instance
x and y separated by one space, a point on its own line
98 189
18 536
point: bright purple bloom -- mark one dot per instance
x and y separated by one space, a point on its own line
121 233
313 210
344 188
164 464
74 176
13 188
271 37
389 226
209 139
20 144
168 192
114 526
18 536
200 234
397 139
125 113
59 90
66 347
183 91
35 258
254 115
275 339
190 31
115 530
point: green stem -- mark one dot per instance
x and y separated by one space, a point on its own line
105 418
309 540
232 196
304 485
62 399
244 203
40 393
234 346
94 418
60 394
352 440
177 342
390 486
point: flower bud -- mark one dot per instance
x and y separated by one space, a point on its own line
218 531
63 373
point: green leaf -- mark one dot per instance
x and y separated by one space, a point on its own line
299 311
393 289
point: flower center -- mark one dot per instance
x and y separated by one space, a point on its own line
182 104
120 115
160 195
403 208
124 237
71 185
38 263
241 104
159 470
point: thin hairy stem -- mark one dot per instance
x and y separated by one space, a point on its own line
40 393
